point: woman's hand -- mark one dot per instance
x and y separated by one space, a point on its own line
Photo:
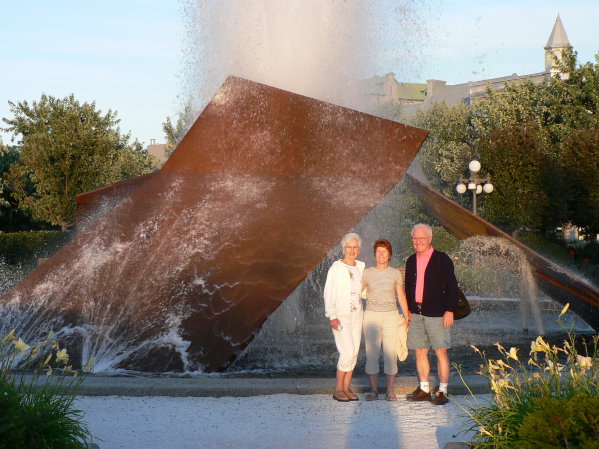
335 324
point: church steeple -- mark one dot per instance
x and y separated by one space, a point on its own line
557 43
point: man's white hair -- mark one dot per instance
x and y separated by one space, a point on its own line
349 237
429 230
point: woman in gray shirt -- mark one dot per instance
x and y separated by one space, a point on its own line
384 288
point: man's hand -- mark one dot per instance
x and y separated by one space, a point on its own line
447 319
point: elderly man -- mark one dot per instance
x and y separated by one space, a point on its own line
432 293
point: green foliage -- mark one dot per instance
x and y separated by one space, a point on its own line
590 251
174 133
442 241
579 168
36 411
554 379
539 142
554 421
522 168
67 148
552 248
449 146
24 247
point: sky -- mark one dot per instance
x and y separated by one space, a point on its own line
133 56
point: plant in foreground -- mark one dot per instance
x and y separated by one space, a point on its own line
37 393
551 401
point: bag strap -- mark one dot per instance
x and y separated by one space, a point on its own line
440 275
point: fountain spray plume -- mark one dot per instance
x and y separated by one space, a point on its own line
317 48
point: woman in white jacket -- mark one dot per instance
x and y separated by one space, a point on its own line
343 308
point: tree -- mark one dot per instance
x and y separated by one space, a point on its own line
5 160
175 133
579 168
560 117
523 173
449 146
66 148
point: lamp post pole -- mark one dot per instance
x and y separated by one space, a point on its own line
474 183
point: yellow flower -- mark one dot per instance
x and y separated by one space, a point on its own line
501 348
492 366
47 360
539 345
20 345
584 362
475 348
8 336
565 309
47 340
503 364
502 383
513 353
484 431
89 366
552 366
62 356
49 372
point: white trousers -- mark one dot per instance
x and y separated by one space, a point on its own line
348 340
380 329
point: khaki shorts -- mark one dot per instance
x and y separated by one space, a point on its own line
428 331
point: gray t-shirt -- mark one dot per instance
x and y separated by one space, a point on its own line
380 284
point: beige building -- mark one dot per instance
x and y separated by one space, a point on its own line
158 152
385 89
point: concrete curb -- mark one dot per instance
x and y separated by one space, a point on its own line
242 387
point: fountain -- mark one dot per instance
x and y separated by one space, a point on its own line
181 273
178 270
551 278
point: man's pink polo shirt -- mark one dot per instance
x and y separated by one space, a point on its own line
421 264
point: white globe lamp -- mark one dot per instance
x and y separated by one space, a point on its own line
488 187
474 166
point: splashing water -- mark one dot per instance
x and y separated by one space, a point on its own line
318 48
492 266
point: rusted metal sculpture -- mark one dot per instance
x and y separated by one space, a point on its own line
562 286
183 271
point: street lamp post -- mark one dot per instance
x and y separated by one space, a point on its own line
474 183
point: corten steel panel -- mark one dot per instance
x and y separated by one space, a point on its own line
562 286
88 203
264 184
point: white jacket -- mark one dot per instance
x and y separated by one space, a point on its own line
337 290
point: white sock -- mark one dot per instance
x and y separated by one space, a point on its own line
443 387
425 387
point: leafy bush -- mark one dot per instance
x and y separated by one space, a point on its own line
553 421
554 379
24 247
552 248
37 412
591 252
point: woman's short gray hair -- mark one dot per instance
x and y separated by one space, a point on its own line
429 230
349 237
